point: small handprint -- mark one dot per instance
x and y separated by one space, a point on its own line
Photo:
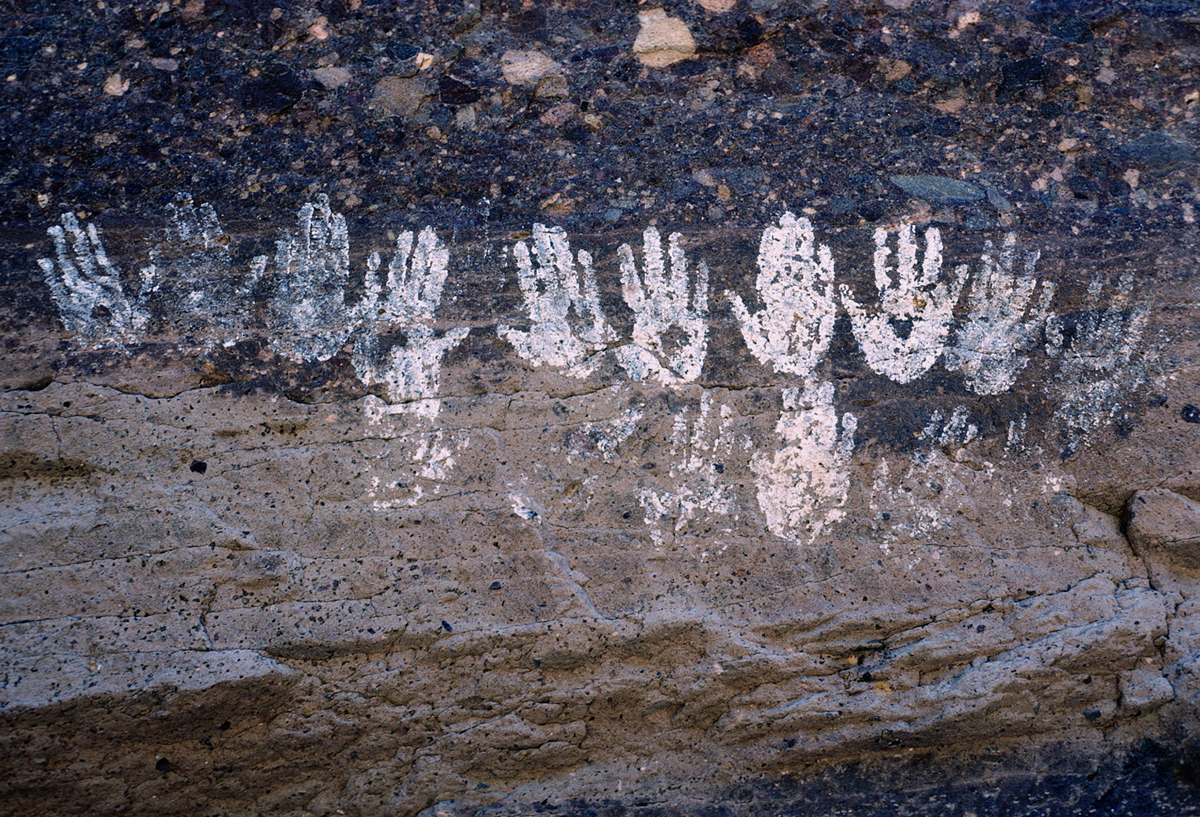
1004 322
416 276
554 290
191 270
86 287
670 329
1098 371
804 486
795 281
903 337
307 314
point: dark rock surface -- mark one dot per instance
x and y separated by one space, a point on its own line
334 481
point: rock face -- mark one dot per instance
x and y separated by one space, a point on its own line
470 410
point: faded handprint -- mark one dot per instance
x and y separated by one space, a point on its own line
670 330
416 276
553 290
903 338
86 287
1098 371
804 486
1004 322
307 314
193 271
700 450
795 281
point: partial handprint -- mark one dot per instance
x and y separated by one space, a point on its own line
1098 371
86 287
670 329
795 281
1004 323
307 314
416 276
192 270
904 336
804 486
554 291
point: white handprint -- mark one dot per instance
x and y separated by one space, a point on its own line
795 281
660 302
307 314
1098 371
991 345
553 290
86 287
904 336
805 484
416 276
193 271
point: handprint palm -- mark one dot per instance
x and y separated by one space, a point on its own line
795 281
989 346
660 302
553 290
903 338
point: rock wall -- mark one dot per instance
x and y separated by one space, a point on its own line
474 408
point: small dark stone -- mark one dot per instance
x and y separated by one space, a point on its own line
454 91
402 51
163 765
938 189
944 126
1022 74
494 586
1092 714
1072 30
276 88
1190 414
446 626
198 466
1158 151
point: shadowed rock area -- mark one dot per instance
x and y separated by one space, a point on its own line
718 407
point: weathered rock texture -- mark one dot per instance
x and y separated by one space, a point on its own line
465 408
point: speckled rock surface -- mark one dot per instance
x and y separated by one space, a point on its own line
722 407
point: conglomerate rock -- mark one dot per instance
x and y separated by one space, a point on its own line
715 407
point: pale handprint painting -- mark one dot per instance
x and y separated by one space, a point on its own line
87 288
670 308
1099 370
804 485
307 315
903 336
1004 320
795 281
567 326
415 278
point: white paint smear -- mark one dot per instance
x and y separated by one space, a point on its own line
563 303
415 279
670 324
1004 323
87 288
795 282
1098 374
902 337
804 486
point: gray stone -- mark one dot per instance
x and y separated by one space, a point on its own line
939 189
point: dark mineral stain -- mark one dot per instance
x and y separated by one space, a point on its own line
198 466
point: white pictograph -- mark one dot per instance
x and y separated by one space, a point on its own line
407 303
1004 321
308 318
670 324
903 337
1098 372
87 288
795 282
563 304
804 485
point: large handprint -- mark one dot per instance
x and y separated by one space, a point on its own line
670 330
86 287
1098 371
416 276
903 338
804 486
990 345
795 280
192 271
553 290
307 314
